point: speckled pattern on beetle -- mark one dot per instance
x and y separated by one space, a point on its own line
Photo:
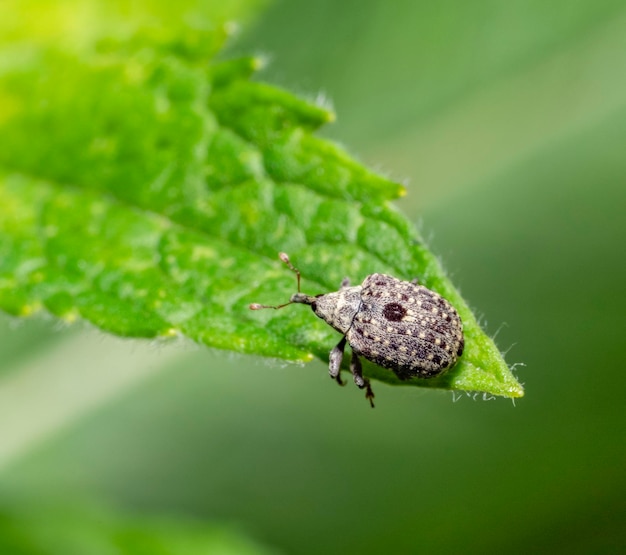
396 324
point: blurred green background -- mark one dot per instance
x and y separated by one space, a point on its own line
508 121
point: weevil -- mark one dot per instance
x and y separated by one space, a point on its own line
399 325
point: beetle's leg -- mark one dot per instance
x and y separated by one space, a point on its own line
359 380
334 361
345 282
415 281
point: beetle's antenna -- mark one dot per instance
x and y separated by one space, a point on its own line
257 306
285 258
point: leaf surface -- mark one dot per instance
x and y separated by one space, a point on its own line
147 189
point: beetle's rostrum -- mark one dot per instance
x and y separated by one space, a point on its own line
396 324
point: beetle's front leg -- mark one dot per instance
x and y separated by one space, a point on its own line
334 361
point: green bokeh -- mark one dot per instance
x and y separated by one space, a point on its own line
522 188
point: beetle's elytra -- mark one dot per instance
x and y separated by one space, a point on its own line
396 324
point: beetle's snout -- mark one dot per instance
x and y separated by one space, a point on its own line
301 298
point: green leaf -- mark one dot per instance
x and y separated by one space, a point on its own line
148 189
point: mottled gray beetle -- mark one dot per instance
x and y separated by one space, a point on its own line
396 324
